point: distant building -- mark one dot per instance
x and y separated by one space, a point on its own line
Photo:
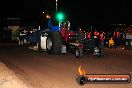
12 28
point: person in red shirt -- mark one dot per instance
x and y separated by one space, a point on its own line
96 37
102 38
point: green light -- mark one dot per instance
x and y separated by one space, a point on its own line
60 16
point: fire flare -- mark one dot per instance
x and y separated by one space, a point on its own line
81 71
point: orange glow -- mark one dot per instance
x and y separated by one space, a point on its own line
48 16
81 71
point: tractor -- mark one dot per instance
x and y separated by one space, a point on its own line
58 39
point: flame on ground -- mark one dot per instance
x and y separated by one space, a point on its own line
81 71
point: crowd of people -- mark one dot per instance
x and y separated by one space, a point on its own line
106 39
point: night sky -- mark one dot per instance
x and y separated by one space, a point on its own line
80 12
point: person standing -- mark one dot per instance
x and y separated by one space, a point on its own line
96 37
102 38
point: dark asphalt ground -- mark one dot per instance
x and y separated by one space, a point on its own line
59 71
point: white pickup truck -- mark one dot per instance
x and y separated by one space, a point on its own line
129 40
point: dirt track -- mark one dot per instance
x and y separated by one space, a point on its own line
49 71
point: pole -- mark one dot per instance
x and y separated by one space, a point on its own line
56 5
